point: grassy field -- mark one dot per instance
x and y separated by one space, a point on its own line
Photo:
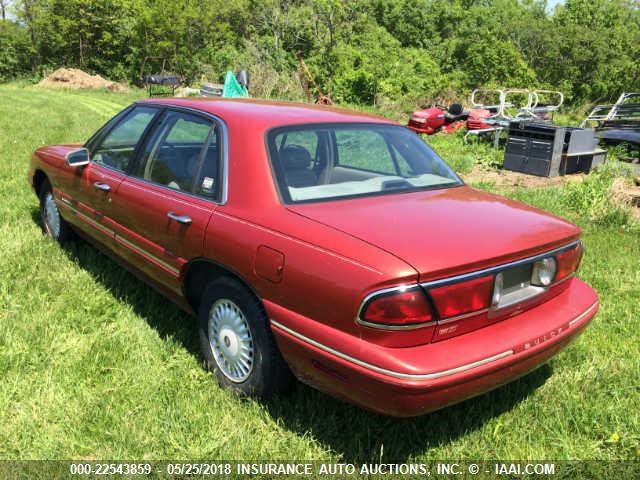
95 365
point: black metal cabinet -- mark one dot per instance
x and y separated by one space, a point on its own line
549 150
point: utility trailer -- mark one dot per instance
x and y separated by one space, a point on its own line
548 150
618 123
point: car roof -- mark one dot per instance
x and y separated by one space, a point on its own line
270 113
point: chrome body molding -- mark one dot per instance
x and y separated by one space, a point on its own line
413 376
87 219
120 239
146 253
391 373
462 317
410 326
584 314
497 268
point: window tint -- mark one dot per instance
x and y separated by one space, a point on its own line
364 149
188 130
183 154
308 139
117 148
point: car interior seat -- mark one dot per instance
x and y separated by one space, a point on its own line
296 162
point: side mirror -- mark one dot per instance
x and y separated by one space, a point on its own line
77 158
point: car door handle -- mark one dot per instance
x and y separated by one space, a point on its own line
183 219
102 186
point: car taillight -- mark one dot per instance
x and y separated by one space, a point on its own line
463 306
398 309
463 297
568 262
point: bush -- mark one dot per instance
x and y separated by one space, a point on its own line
14 51
376 67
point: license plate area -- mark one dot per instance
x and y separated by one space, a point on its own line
516 278
516 286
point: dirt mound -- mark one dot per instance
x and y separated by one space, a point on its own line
507 178
75 78
626 192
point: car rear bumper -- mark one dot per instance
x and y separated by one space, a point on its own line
413 381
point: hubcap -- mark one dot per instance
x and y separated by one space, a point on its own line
51 215
230 340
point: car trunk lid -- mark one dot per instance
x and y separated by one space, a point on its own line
445 232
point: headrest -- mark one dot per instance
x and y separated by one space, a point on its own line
456 109
295 157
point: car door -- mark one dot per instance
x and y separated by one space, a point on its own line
89 193
163 208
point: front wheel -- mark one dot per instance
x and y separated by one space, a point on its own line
52 222
237 343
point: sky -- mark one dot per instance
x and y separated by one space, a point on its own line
553 3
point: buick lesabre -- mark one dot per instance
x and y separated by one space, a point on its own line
331 245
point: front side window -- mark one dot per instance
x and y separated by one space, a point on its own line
330 161
182 154
117 148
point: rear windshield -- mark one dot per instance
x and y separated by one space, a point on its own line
331 161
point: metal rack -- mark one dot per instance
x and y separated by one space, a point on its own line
501 116
625 113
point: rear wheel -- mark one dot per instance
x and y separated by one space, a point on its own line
237 343
52 222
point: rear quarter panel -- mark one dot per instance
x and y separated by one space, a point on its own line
326 273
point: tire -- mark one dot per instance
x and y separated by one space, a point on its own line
52 222
237 343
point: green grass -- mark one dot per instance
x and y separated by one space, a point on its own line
95 365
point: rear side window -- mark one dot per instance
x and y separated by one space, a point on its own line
117 148
182 154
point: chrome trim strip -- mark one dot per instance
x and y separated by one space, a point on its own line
497 268
412 376
121 239
88 219
146 253
584 314
462 317
408 376
568 277
382 326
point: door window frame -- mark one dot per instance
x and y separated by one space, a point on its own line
96 140
222 133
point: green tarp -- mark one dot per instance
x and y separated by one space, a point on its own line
232 89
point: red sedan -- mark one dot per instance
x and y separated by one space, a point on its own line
333 245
